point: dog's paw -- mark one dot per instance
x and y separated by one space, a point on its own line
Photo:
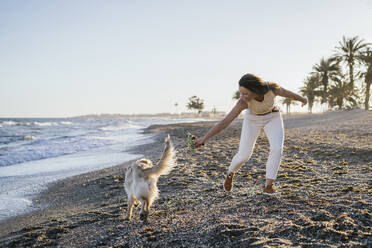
144 215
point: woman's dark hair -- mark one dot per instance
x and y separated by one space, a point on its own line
256 84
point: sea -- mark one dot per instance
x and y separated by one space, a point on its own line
35 152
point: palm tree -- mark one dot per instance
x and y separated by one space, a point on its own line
350 52
195 103
367 60
326 69
309 90
236 95
288 102
339 91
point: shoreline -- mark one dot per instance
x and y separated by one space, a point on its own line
49 198
17 199
89 209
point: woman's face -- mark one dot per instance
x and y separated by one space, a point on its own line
246 94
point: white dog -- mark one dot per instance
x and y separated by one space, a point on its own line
141 179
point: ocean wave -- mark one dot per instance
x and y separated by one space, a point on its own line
29 137
4 140
35 123
119 128
9 123
45 124
99 138
36 139
48 148
66 122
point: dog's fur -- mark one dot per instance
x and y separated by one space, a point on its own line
141 179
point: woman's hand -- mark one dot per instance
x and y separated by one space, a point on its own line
199 142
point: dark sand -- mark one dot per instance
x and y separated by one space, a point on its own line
325 181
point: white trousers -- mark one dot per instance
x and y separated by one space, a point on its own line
252 124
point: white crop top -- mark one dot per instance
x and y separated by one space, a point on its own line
263 107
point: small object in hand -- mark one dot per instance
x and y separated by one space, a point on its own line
191 141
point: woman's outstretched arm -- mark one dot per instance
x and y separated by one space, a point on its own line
289 94
221 125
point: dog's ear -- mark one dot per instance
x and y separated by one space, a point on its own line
145 161
167 139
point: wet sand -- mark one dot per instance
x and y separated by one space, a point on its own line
325 180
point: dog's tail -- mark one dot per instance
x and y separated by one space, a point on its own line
166 163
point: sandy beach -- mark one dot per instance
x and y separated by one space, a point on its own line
325 180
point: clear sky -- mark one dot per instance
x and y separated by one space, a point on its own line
61 58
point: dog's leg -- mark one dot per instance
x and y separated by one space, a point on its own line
143 206
130 207
144 210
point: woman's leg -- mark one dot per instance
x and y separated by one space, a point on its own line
275 134
250 131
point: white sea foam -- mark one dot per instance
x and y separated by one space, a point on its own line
121 126
53 147
11 205
45 124
116 128
29 137
9 123
99 138
66 122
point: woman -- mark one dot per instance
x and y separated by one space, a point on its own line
258 97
